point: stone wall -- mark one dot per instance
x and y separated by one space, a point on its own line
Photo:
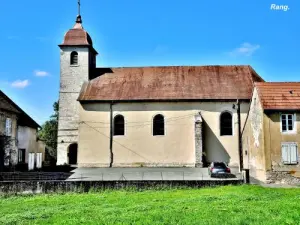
37 187
71 80
282 177
198 141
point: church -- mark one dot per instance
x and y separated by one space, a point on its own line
166 116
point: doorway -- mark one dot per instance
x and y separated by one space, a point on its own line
73 149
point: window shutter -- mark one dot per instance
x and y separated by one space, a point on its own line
293 154
285 153
8 127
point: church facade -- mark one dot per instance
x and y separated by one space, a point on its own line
172 116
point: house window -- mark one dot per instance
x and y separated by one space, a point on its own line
289 153
119 125
8 127
74 58
21 155
287 123
158 125
226 124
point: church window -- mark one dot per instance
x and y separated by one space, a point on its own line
158 125
226 123
119 125
74 58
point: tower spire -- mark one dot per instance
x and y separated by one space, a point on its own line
78 18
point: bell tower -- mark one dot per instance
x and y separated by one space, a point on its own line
77 60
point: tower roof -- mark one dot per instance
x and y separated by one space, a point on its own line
77 35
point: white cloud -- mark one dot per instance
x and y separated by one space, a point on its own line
20 83
40 73
246 49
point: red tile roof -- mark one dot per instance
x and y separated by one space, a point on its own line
171 83
279 95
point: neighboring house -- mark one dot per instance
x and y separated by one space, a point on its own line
271 135
22 130
147 116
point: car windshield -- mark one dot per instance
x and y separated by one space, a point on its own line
219 165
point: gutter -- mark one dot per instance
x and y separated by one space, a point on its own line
240 136
111 135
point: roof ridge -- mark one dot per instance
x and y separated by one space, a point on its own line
18 108
215 65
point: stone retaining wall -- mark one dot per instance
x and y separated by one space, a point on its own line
282 177
35 187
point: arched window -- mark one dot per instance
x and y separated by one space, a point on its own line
226 123
74 58
158 125
119 125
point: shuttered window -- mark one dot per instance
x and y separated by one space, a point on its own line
8 127
287 123
74 58
289 153
21 155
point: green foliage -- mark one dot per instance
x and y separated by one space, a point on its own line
48 133
220 205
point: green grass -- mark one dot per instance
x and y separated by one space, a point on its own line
221 205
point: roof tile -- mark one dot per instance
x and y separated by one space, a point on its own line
171 83
279 95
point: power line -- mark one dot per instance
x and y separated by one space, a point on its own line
117 142
145 122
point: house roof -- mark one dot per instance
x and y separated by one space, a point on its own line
170 83
23 119
279 95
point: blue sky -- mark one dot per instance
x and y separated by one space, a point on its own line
143 33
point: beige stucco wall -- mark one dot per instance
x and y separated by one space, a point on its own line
140 148
273 139
27 140
253 140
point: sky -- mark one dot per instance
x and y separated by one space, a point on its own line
143 33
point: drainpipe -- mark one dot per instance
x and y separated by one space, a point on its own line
240 136
111 136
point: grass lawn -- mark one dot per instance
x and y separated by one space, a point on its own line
220 205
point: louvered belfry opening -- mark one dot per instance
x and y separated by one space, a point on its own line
74 58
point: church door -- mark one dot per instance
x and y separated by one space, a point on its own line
73 154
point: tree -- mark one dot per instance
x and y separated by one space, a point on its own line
48 133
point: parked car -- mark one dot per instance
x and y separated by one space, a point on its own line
218 169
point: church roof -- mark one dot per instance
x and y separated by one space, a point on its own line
279 95
171 83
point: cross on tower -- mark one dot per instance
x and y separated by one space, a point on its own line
78 7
